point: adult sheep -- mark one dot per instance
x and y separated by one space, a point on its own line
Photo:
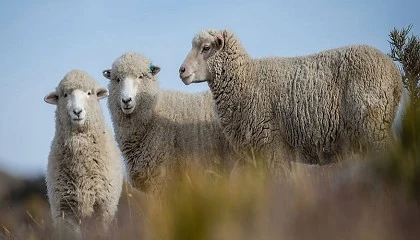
160 132
84 175
312 109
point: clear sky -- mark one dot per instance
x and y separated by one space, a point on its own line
42 40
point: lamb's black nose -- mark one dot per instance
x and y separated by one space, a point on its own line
181 70
126 100
77 111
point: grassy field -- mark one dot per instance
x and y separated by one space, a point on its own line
342 201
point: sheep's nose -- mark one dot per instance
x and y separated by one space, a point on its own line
126 100
77 111
181 70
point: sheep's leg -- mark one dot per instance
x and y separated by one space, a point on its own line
148 179
374 130
104 221
98 225
66 227
66 218
281 165
276 160
380 128
369 118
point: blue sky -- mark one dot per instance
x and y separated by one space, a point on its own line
42 40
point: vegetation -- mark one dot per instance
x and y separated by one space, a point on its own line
406 51
403 166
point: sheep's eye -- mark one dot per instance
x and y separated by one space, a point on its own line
206 48
118 80
90 92
65 95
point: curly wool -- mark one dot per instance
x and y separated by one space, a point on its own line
84 174
168 130
310 109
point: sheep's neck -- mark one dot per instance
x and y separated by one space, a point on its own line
142 120
75 139
235 94
232 70
132 127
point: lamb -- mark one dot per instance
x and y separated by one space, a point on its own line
312 109
162 132
84 173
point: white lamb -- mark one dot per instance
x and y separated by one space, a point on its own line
84 175
161 132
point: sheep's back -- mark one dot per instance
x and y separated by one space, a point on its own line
311 96
191 117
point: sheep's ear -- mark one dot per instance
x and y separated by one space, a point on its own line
102 93
51 98
107 73
154 69
220 40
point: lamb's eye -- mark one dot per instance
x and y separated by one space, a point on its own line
140 77
118 80
206 48
65 95
90 92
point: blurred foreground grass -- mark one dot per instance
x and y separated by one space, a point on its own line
330 202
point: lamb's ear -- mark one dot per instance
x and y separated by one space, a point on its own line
107 73
51 98
102 93
154 69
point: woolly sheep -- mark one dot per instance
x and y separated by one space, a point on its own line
159 132
84 174
311 109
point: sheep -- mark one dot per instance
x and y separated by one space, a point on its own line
84 173
312 109
162 132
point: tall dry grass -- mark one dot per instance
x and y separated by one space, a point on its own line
330 202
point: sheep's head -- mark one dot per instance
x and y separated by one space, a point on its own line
205 44
132 81
75 96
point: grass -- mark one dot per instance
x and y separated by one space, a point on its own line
311 203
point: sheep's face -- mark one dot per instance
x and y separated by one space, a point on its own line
75 102
130 79
128 92
204 45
